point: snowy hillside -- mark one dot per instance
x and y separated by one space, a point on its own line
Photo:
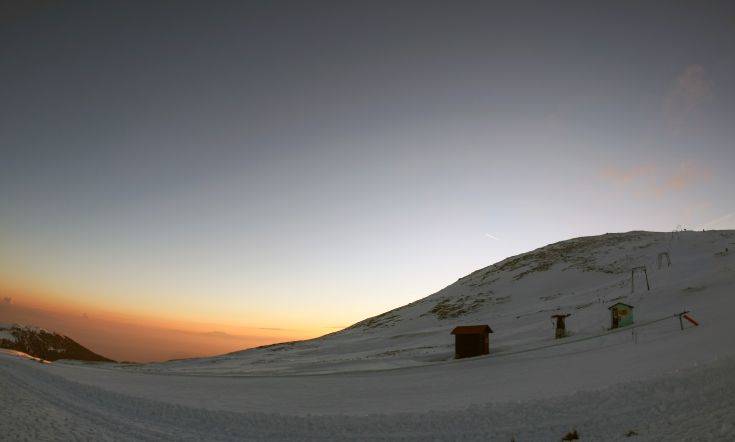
516 297
394 376
44 344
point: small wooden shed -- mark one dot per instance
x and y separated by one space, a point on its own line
471 340
621 315
561 329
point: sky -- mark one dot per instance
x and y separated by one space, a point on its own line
280 170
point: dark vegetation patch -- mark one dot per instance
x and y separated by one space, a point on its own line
389 353
452 308
550 297
617 298
455 307
387 319
580 254
693 289
279 346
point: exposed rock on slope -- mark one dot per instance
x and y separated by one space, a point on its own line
44 344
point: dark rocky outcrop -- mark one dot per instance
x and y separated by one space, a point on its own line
45 344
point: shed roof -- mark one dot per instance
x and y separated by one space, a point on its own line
472 330
619 303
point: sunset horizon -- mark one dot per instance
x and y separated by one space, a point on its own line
353 220
139 336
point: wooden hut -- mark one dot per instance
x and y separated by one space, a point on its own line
471 340
561 329
621 315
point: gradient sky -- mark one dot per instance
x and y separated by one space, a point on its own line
304 165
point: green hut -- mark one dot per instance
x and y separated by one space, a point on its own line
621 315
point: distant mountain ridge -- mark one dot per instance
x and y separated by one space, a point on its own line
45 344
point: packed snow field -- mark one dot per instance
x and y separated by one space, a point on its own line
695 404
393 376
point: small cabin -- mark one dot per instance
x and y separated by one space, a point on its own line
471 340
561 329
621 315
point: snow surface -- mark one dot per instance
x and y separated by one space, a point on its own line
4 334
5 331
394 376
694 404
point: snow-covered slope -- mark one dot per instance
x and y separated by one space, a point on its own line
44 344
651 380
516 297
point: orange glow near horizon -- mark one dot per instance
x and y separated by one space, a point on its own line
38 295
132 336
